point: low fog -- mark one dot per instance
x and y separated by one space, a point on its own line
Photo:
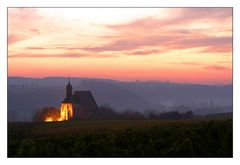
27 95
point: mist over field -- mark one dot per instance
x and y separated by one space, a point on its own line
27 95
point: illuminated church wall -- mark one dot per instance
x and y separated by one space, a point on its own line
66 111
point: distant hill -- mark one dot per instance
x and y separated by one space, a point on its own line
27 95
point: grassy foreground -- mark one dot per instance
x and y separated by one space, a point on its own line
122 138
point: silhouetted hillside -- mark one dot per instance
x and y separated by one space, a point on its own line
27 95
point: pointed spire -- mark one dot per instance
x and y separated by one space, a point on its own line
69 88
68 80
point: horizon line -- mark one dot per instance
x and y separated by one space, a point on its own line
136 80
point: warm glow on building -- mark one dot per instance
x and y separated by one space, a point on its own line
66 111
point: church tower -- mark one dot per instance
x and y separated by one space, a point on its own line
67 103
69 89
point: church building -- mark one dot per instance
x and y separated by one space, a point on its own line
77 105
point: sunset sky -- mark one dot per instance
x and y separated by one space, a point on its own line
175 44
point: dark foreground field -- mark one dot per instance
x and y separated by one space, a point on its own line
122 138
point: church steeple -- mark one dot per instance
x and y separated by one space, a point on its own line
69 88
69 81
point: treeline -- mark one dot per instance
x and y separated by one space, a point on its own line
23 85
108 113
105 112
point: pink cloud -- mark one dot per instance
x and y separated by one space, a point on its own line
164 33
32 55
217 67
178 16
169 42
206 13
144 52
35 48
131 43
59 55
19 14
218 49
35 31
14 38
20 23
185 63
191 63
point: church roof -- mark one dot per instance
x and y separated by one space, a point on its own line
86 100
69 99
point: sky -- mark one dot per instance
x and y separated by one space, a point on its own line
168 44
